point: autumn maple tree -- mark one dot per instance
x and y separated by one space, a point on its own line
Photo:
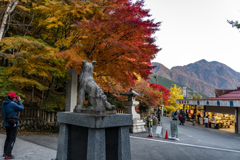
44 38
120 40
152 94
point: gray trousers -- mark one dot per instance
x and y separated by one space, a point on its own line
150 131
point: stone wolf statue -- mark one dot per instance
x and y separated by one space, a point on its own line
97 100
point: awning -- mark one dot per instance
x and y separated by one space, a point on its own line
206 102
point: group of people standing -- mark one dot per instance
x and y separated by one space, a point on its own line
181 117
154 119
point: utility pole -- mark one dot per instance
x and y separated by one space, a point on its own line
184 96
155 76
159 114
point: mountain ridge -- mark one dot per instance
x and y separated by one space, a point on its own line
202 76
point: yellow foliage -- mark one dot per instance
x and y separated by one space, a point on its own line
175 93
23 8
32 63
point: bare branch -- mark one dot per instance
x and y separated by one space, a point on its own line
29 25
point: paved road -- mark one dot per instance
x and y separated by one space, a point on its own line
195 143
24 150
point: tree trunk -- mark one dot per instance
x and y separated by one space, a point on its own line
6 63
11 6
42 93
42 97
51 86
2 63
32 94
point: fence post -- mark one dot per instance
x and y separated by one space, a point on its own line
40 114
53 116
37 113
48 117
32 112
45 113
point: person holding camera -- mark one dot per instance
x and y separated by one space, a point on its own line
10 107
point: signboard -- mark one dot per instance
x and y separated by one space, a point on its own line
159 130
184 92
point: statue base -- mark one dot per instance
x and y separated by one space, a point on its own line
91 111
138 126
93 136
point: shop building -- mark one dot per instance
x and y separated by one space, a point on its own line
223 110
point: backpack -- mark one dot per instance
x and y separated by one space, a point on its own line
12 120
180 117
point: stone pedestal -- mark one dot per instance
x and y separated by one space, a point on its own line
93 137
91 111
71 90
138 124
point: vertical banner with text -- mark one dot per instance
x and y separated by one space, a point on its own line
184 92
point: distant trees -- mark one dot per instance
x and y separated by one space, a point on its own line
196 96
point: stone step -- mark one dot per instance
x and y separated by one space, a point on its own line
137 121
138 124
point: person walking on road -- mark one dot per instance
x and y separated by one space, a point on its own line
193 119
180 117
173 113
155 121
198 116
184 116
153 116
150 125
158 115
206 121
10 109
175 116
187 115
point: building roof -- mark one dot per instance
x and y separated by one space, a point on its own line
225 98
226 94
131 92
219 92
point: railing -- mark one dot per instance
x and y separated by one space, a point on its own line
122 111
35 113
50 117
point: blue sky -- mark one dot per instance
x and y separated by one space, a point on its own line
192 30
